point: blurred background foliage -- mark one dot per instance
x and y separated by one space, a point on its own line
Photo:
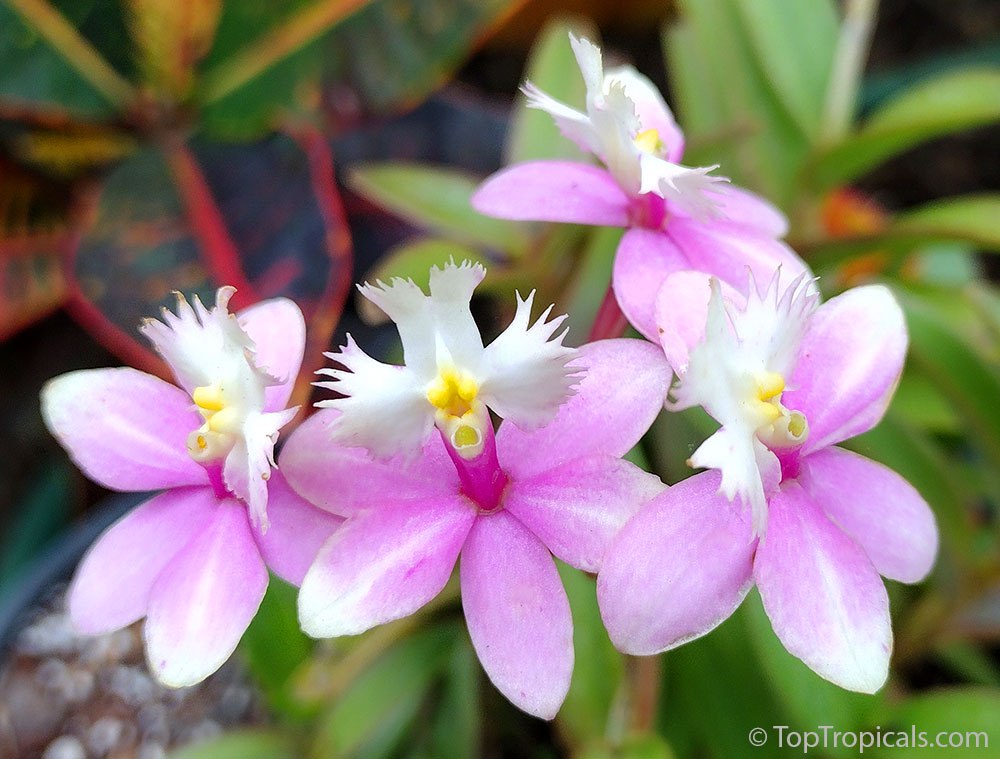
154 145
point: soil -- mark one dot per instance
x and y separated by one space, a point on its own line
63 696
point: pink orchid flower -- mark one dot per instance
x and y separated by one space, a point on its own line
191 560
550 481
677 217
813 525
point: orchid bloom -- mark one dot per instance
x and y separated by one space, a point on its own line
813 525
677 217
191 560
551 482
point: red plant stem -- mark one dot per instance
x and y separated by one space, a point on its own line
323 321
610 321
221 255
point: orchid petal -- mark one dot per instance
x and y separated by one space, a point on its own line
749 210
343 480
576 508
407 305
605 416
849 365
278 332
111 587
727 251
247 468
203 345
560 191
525 372
518 614
451 293
383 564
204 600
297 531
645 258
877 508
572 124
679 568
125 429
682 311
384 408
651 109
826 601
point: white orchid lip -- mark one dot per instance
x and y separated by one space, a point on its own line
737 373
449 380
636 154
213 358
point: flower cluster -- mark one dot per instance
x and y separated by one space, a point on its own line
405 473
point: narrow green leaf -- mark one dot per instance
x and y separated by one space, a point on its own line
944 104
274 645
244 744
532 134
968 380
598 670
372 715
455 732
794 43
970 218
591 279
436 198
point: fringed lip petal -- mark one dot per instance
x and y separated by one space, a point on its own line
576 508
125 429
525 374
517 613
826 601
383 564
278 332
112 584
645 258
849 365
651 109
678 569
343 480
682 311
297 531
877 508
604 416
559 191
204 600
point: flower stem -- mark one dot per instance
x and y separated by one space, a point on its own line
610 321
642 674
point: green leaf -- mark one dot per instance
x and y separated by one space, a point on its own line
807 698
591 279
266 63
944 104
455 732
597 673
968 218
533 134
46 63
436 198
43 510
707 678
962 714
274 645
970 381
370 718
794 43
244 744
32 285
394 53
715 57
919 402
